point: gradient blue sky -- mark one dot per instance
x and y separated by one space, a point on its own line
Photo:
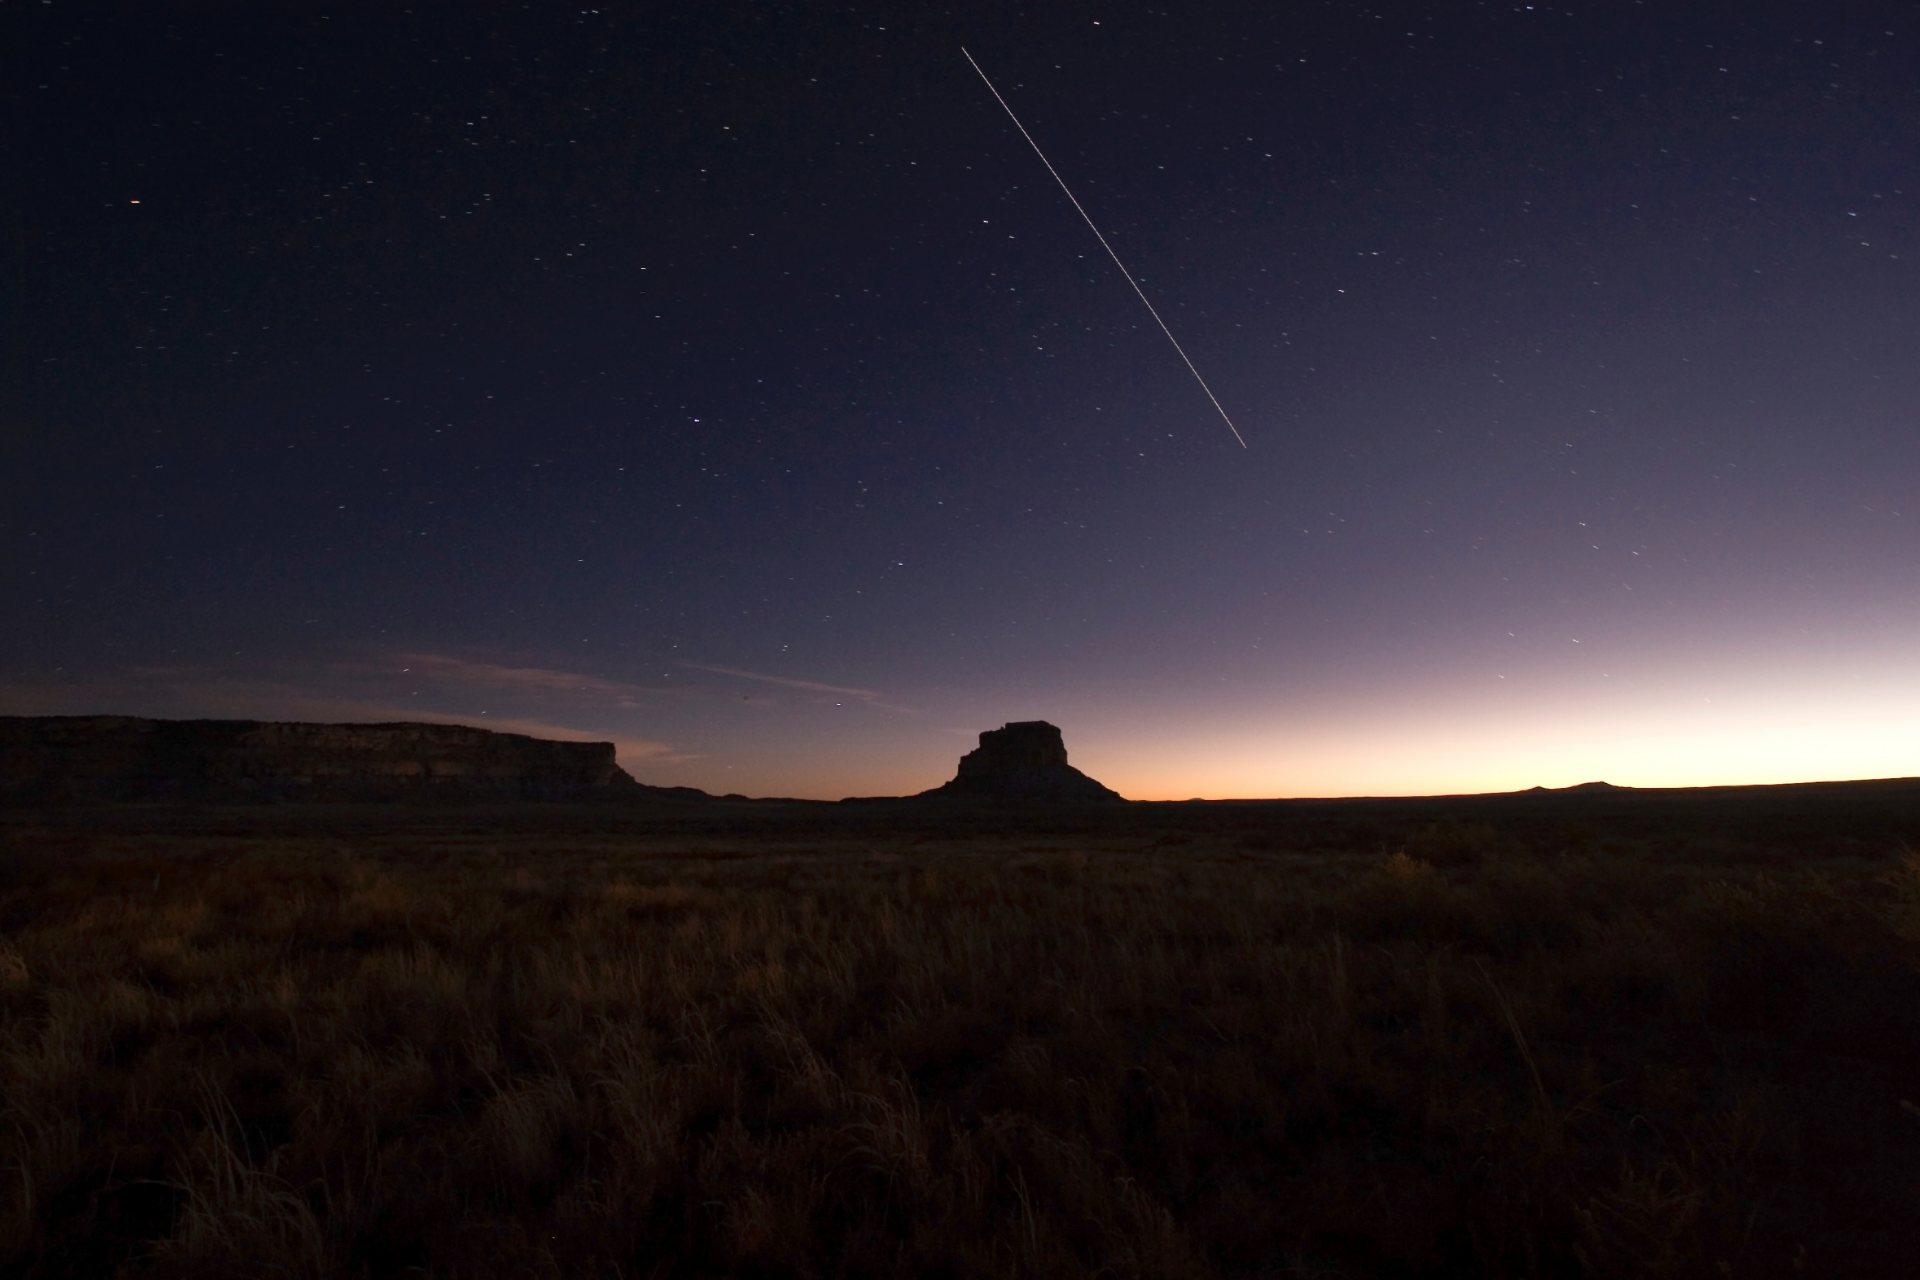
736 385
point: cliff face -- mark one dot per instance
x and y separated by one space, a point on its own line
128 758
1025 761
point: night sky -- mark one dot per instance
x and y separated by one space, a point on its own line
733 382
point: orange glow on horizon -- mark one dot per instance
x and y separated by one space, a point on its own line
1852 722
1818 735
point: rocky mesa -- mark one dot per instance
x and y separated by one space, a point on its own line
1022 761
131 758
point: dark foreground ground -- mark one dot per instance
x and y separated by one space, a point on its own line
1614 1034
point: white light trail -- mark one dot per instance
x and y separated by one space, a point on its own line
1104 245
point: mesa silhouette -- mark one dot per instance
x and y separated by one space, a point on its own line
133 758
129 758
1022 761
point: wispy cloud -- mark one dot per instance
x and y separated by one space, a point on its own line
808 686
512 679
819 689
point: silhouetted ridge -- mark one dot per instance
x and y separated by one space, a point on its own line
1025 760
132 758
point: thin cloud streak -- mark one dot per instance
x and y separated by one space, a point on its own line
868 697
493 675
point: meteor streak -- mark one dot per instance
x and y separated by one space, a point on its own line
1104 245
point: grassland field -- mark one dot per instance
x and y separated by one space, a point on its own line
1620 1034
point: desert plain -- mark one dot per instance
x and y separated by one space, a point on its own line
1597 1032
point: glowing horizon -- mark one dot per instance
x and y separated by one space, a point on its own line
1715 719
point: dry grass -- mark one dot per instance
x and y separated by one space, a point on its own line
425 1048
